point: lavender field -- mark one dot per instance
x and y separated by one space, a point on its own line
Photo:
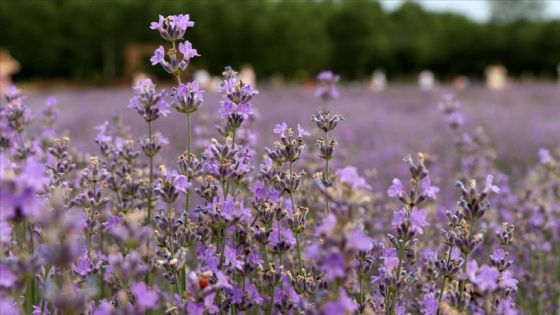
278 200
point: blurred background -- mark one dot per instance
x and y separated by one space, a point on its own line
105 43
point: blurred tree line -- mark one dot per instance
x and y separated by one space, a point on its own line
85 40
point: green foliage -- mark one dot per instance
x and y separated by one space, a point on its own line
86 39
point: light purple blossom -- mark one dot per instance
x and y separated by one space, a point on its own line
429 305
429 190
281 129
344 304
7 278
489 187
158 57
485 277
301 131
187 50
418 220
395 189
145 298
349 175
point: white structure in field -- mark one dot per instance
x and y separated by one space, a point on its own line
137 77
8 67
215 83
496 77
378 81
247 75
203 78
426 80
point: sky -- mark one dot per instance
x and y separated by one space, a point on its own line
477 10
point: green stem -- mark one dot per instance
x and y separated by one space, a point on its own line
465 259
327 174
271 306
298 252
266 260
361 290
224 242
444 281
150 189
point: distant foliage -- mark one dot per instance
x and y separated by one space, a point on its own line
86 40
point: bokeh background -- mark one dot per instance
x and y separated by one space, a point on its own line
87 41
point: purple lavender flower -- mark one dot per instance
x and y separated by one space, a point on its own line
187 51
173 27
301 131
7 278
83 266
326 85
429 190
429 305
5 235
281 129
18 191
158 57
188 97
489 187
349 175
104 308
149 104
8 306
396 188
544 156
145 298
418 220
344 304
485 277
507 280
102 135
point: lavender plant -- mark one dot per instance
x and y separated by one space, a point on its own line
231 228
